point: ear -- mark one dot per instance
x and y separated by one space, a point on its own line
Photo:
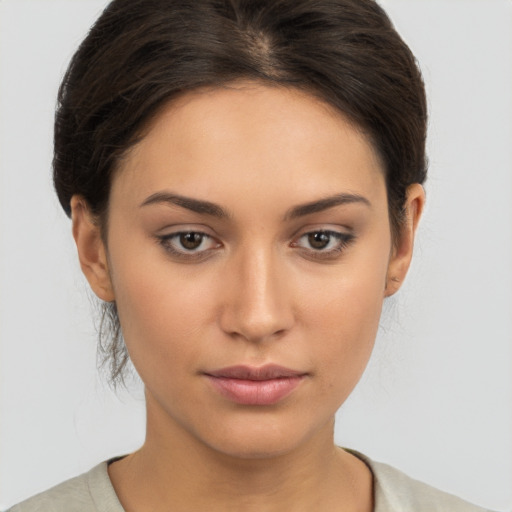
402 251
91 249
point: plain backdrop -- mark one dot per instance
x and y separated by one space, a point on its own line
436 400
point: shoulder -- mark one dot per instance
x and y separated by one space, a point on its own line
397 492
90 492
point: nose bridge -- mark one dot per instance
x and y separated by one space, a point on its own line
257 305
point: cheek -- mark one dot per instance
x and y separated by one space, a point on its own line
343 318
348 325
161 313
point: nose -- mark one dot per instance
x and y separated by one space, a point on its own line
256 303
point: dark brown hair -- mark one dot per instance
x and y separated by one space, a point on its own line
142 53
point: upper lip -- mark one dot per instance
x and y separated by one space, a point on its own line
244 372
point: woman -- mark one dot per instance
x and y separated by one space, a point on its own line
244 181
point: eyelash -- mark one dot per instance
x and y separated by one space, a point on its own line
166 241
343 240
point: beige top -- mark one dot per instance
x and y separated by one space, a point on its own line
394 492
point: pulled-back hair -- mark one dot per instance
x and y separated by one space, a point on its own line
140 54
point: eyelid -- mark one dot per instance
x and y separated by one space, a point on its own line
336 229
165 240
331 232
343 236
344 239
169 229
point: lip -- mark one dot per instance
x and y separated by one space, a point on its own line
248 385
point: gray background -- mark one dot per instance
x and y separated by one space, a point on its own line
436 400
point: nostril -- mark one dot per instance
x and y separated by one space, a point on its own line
256 331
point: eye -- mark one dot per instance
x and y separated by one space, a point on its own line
319 240
191 241
324 243
188 244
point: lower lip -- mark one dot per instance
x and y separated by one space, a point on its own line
255 392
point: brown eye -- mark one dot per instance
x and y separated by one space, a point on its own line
191 241
324 244
319 240
189 245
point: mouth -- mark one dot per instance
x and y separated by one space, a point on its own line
247 385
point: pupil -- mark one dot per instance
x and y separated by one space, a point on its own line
191 240
319 240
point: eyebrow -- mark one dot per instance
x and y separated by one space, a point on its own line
195 205
325 204
209 208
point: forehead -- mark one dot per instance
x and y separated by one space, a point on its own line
246 135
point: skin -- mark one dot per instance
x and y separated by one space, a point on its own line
255 291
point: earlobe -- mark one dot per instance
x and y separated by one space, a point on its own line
91 249
402 251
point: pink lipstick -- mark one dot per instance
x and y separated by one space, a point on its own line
246 385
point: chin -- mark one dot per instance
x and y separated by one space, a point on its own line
255 448
260 438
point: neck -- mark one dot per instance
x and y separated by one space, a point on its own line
173 469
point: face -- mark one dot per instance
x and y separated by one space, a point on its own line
248 253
